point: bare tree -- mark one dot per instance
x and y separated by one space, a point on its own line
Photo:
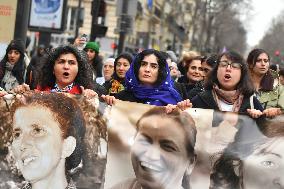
273 40
216 24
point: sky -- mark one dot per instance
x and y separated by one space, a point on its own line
260 18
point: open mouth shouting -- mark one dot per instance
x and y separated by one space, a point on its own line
227 77
66 74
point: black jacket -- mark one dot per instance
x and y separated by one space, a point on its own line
206 100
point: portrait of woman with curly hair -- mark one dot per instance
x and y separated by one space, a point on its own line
48 142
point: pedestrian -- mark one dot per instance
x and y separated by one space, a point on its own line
12 66
65 69
265 81
92 49
117 82
108 70
229 88
32 69
148 81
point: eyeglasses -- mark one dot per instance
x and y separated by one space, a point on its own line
234 65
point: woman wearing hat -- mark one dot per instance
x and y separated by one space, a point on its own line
12 66
92 49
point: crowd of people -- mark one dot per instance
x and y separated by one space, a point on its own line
225 82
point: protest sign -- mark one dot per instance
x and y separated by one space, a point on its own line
133 145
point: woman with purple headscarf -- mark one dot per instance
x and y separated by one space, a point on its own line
148 81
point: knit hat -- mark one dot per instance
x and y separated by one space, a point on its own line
93 45
16 44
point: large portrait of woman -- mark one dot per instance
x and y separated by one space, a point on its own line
55 141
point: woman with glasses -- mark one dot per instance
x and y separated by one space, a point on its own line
267 89
230 88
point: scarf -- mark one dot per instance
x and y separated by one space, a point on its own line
9 81
234 97
116 86
64 90
155 95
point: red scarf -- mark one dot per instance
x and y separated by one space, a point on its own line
75 89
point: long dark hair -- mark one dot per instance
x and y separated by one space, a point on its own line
18 70
162 72
126 56
245 85
84 77
266 83
97 65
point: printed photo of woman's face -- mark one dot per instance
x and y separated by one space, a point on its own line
264 168
159 156
37 142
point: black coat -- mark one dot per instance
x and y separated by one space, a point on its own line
206 100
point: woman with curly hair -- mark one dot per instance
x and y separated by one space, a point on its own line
254 159
48 142
148 81
12 66
65 69
117 81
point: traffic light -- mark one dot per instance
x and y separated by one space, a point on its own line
113 46
98 30
98 8
102 9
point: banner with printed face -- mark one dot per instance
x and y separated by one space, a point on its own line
53 139
69 140
198 148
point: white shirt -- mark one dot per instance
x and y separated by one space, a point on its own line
225 107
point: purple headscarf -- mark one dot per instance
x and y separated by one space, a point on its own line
157 95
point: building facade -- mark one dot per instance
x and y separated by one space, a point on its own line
159 24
